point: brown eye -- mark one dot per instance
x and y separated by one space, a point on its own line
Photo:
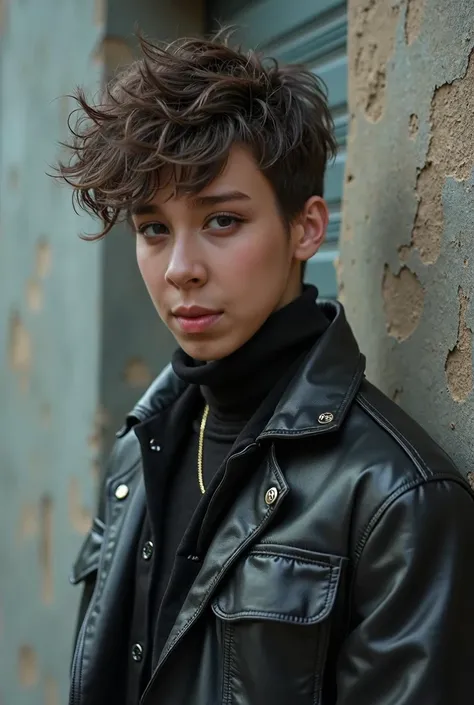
151 230
223 222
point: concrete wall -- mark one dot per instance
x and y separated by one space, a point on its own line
407 259
78 339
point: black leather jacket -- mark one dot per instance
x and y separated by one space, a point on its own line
342 573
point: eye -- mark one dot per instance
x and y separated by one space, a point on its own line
153 230
223 221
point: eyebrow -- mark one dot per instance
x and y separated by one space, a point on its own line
151 209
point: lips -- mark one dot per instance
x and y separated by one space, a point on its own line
195 319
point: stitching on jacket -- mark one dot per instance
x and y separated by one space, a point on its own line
355 381
367 530
229 645
277 554
286 617
330 427
404 442
270 542
403 489
277 470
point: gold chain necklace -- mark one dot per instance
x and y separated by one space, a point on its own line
200 448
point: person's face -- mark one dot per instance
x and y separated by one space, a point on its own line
216 265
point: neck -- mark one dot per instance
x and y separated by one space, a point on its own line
235 386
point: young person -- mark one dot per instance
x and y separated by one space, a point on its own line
271 528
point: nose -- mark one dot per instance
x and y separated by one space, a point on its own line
185 270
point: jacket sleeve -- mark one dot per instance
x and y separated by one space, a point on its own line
412 640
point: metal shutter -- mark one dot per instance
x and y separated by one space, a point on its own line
313 32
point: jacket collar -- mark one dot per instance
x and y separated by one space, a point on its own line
316 400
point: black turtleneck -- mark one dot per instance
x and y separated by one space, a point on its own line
234 387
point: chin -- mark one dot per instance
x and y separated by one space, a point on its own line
207 350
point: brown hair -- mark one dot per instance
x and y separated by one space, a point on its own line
173 115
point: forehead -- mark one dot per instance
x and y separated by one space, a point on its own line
240 179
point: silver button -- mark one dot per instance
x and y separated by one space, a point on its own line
271 495
137 652
147 550
121 491
327 417
154 445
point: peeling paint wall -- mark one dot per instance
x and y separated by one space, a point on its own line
79 341
49 343
406 265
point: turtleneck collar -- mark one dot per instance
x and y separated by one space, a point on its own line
236 385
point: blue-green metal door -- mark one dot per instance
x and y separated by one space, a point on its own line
313 32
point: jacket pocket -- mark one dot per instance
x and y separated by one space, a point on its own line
275 613
87 561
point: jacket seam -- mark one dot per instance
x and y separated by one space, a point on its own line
403 489
371 524
395 433
332 584
229 645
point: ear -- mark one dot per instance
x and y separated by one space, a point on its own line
309 228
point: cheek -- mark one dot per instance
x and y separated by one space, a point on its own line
261 256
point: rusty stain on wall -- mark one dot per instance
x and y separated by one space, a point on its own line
20 351
459 360
413 126
43 259
80 518
95 473
371 44
51 691
403 298
450 154
96 439
34 295
339 278
137 373
27 666
46 549
28 527
413 19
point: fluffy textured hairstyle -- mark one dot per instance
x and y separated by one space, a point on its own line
172 116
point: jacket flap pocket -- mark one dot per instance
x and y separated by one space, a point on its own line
281 584
87 560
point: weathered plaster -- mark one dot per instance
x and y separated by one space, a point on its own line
413 18
403 298
372 26
406 268
459 359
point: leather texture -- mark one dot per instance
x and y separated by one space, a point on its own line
352 587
